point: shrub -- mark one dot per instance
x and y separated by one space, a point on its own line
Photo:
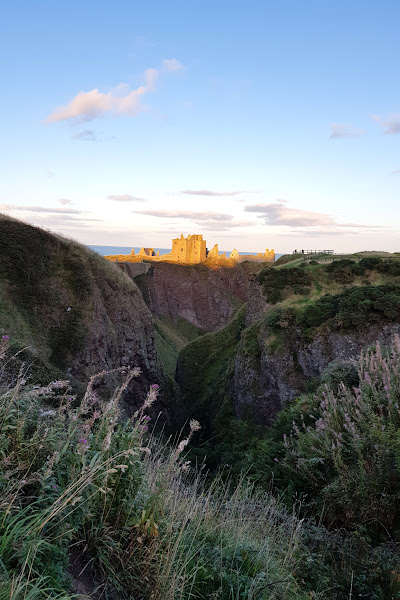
341 271
348 457
277 284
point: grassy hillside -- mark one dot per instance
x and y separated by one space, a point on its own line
46 287
171 338
204 365
68 312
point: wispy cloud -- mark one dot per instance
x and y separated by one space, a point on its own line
87 135
278 214
390 124
207 220
65 201
183 214
213 193
125 198
72 219
118 102
171 65
395 172
42 209
344 130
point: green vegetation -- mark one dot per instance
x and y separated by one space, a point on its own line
286 259
77 482
171 338
204 369
338 452
208 360
355 307
279 284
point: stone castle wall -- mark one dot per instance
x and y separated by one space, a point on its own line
191 251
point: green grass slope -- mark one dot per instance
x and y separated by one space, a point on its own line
171 338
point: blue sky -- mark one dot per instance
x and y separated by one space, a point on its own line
259 124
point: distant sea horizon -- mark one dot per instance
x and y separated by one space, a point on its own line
106 250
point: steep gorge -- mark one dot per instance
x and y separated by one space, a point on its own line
296 324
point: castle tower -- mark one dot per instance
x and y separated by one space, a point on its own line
190 250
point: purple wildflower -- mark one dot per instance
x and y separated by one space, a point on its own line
5 338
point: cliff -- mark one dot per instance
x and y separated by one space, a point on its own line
207 298
297 322
75 313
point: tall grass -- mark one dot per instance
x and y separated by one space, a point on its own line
77 479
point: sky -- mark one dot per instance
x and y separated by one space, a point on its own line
259 124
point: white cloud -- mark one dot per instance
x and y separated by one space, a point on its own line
65 201
390 124
87 135
42 209
344 130
121 101
207 220
213 193
278 213
125 198
171 65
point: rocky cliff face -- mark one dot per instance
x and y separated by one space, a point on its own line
77 313
205 297
270 364
265 381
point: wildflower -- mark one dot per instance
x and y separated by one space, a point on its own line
83 440
194 425
69 309
5 338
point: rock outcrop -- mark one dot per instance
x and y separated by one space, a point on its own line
207 298
266 380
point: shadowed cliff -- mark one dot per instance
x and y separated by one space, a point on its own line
69 312
207 298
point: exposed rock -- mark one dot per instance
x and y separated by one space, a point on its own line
265 381
205 297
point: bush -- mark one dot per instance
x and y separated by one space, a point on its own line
277 284
348 457
342 271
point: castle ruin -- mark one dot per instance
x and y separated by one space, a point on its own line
191 250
